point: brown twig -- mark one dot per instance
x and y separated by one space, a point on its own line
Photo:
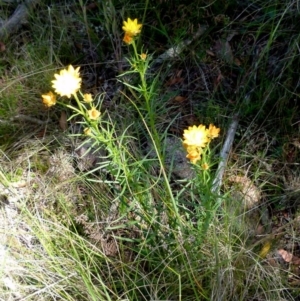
21 117
17 19
225 153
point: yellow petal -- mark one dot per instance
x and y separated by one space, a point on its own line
67 82
193 157
205 166
87 97
131 27
196 136
87 131
127 39
143 56
94 114
213 132
49 99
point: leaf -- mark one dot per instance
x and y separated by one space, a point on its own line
175 79
63 121
223 51
91 6
2 47
209 52
179 99
288 257
265 249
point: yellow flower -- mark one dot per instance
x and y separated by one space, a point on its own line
49 99
205 166
87 97
87 131
143 56
131 27
67 82
213 132
94 114
192 149
127 39
196 139
193 156
194 153
196 136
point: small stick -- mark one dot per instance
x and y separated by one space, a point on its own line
22 117
224 154
17 19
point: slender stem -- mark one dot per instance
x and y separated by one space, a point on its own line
142 69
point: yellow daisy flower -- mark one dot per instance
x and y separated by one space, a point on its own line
67 82
131 27
193 149
87 97
127 39
193 156
94 114
195 135
194 153
49 99
213 132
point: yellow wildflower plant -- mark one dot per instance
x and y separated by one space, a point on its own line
49 99
196 139
131 27
94 114
195 135
87 97
67 82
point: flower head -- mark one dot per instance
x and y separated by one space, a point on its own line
127 39
143 56
205 166
49 99
213 132
192 149
87 97
87 131
131 27
94 114
196 136
194 154
67 82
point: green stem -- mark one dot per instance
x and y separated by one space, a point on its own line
142 70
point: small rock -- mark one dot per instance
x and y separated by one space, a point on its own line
175 158
90 157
